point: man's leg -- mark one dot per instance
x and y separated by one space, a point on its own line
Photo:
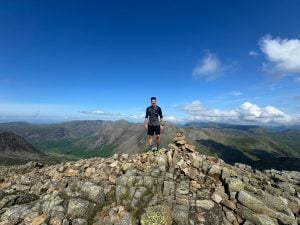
157 132
150 134
157 141
150 140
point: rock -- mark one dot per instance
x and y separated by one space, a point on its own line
94 193
205 204
180 214
214 170
169 188
180 143
285 186
259 207
18 198
160 215
216 198
254 203
40 219
183 188
230 216
274 202
80 208
79 221
258 219
233 185
89 171
191 172
16 212
196 160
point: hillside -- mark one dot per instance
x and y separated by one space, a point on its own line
177 187
15 150
259 147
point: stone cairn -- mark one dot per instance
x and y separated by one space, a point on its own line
179 187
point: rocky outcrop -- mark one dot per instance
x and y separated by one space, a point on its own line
177 186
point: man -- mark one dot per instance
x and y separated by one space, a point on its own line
153 122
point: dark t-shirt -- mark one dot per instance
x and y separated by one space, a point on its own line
152 114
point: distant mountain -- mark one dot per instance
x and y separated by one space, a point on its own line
261 147
15 150
221 126
241 127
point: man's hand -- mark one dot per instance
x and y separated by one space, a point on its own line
146 126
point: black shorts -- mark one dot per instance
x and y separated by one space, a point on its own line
153 129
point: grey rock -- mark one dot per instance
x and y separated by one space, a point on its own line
215 170
205 204
253 203
234 185
79 221
216 197
274 202
18 198
180 214
230 216
169 188
258 219
196 160
285 186
183 188
16 212
94 193
80 208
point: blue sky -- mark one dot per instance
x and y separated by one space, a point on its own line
222 61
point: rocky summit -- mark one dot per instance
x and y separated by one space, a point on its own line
177 186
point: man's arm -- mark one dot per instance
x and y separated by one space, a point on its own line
161 117
146 119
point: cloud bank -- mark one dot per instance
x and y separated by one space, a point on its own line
245 113
283 56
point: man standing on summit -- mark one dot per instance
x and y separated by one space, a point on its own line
153 122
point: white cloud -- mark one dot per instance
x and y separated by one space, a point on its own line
136 116
245 113
173 119
100 113
209 67
283 55
236 93
269 114
253 53
193 107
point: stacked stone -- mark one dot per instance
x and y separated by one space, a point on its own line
177 187
180 143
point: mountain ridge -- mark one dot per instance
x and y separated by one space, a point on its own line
84 139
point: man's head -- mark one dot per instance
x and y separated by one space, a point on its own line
153 101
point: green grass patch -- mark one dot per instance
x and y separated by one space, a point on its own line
69 151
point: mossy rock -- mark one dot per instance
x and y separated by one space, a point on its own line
157 215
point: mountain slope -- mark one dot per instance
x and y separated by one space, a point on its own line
15 150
